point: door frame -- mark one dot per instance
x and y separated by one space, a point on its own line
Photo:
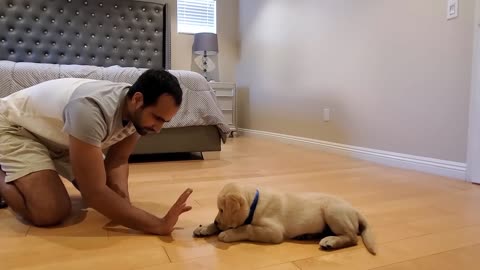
473 149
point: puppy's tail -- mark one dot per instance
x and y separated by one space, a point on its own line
367 234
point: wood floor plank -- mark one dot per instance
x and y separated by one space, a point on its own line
463 258
395 252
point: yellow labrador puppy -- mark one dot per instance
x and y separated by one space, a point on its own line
263 215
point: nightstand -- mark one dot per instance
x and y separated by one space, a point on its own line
226 97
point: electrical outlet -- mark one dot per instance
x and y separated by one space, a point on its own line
452 9
326 114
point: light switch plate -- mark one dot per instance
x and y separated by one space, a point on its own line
452 9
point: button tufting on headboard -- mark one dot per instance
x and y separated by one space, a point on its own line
88 32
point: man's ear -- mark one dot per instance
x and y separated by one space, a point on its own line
137 99
234 202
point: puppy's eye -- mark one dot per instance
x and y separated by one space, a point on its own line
221 210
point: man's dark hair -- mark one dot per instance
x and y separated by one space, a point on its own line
155 82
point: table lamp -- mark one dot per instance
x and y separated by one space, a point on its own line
205 44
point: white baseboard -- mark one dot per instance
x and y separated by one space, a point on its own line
455 170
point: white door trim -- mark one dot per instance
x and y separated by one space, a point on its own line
473 150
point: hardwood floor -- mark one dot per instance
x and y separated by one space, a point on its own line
421 221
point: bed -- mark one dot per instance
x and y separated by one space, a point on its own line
113 40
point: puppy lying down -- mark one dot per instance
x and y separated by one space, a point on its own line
263 215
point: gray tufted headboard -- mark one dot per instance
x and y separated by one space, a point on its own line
85 32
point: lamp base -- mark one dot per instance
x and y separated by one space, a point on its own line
205 65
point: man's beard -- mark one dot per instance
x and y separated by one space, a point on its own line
140 130
137 116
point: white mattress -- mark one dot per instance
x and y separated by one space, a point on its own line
199 106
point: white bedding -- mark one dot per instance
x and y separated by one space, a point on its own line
199 106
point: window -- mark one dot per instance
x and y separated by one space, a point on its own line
194 16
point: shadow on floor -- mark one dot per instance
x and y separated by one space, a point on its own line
165 157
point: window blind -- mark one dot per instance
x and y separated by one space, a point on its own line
195 16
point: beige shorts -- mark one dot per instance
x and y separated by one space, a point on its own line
21 153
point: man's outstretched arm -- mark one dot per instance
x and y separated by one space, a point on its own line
89 169
116 165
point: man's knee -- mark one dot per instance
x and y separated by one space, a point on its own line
49 212
45 199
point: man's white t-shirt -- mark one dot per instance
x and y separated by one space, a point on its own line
89 110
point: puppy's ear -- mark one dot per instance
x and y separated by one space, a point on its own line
234 202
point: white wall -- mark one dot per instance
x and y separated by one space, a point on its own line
395 73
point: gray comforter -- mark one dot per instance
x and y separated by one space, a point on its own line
199 107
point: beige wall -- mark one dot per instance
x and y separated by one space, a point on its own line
227 28
395 73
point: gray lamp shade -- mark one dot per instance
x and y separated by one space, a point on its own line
205 42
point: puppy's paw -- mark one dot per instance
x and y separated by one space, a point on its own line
202 231
226 236
328 243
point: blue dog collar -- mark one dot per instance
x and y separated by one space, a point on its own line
252 209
